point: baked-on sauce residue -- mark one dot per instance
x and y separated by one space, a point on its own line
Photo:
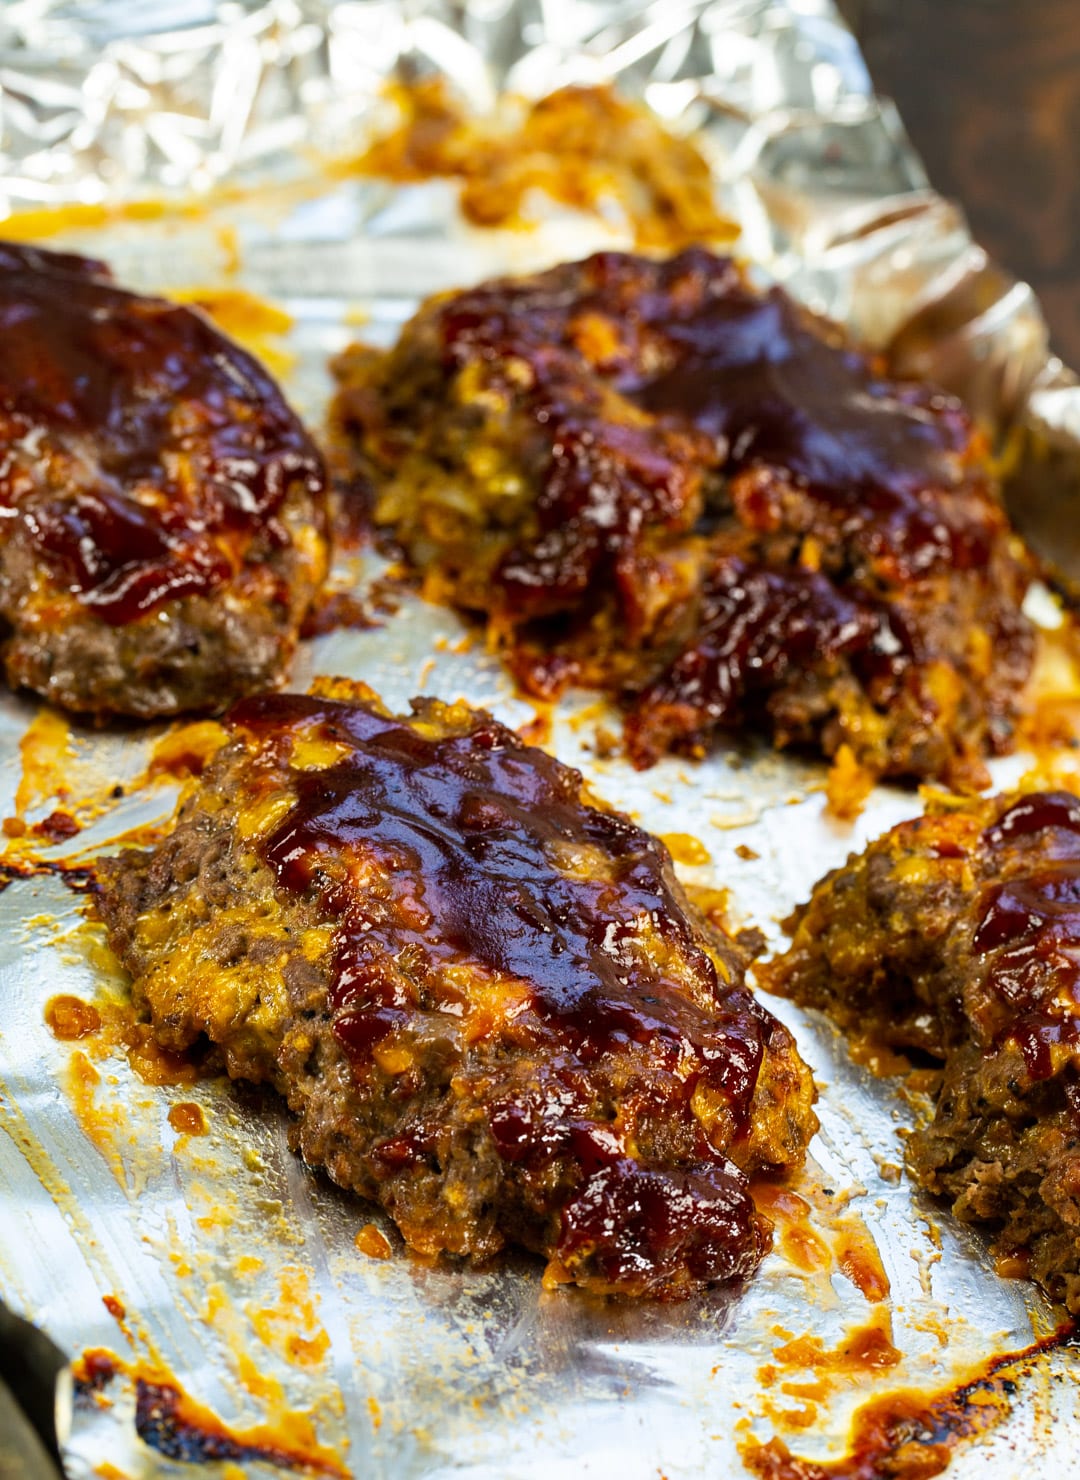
338 611
1029 928
79 878
57 827
93 1372
171 1422
583 146
176 1426
187 1118
477 844
193 448
906 1434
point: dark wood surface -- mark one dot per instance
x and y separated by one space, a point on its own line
990 93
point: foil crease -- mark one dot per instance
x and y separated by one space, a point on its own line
105 101
109 101
440 1371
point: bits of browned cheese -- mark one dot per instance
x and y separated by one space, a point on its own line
654 478
487 1000
165 509
584 147
958 934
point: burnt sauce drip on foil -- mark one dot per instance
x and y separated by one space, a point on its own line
479 855
1028 932
192 445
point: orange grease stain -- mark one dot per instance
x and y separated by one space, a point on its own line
868 1348
292 1326
373 1242
859 1259
46 751
1014 1265
800 1244
186 750
685 848
70 1018
156 1065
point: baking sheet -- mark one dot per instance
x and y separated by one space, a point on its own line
236 1269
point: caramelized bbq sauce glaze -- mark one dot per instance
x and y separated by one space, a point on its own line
195 447
1028 933
682 418
747 383
475 838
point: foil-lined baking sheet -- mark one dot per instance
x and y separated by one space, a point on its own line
229 1267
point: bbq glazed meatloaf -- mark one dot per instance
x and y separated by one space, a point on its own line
959 934
656 479
162 511
486 999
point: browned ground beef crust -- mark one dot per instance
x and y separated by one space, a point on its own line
654 478
959 934
487 1001
162 511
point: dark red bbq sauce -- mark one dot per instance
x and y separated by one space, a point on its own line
466 829
637 1222
756 627
135 391
465 832
748 381
1035 813
1029 928
753 371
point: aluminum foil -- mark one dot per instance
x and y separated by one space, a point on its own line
110 100
235 1269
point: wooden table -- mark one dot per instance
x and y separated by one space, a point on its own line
990 93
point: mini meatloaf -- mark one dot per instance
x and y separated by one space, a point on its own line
654 478
487 1000
162 511
959 935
